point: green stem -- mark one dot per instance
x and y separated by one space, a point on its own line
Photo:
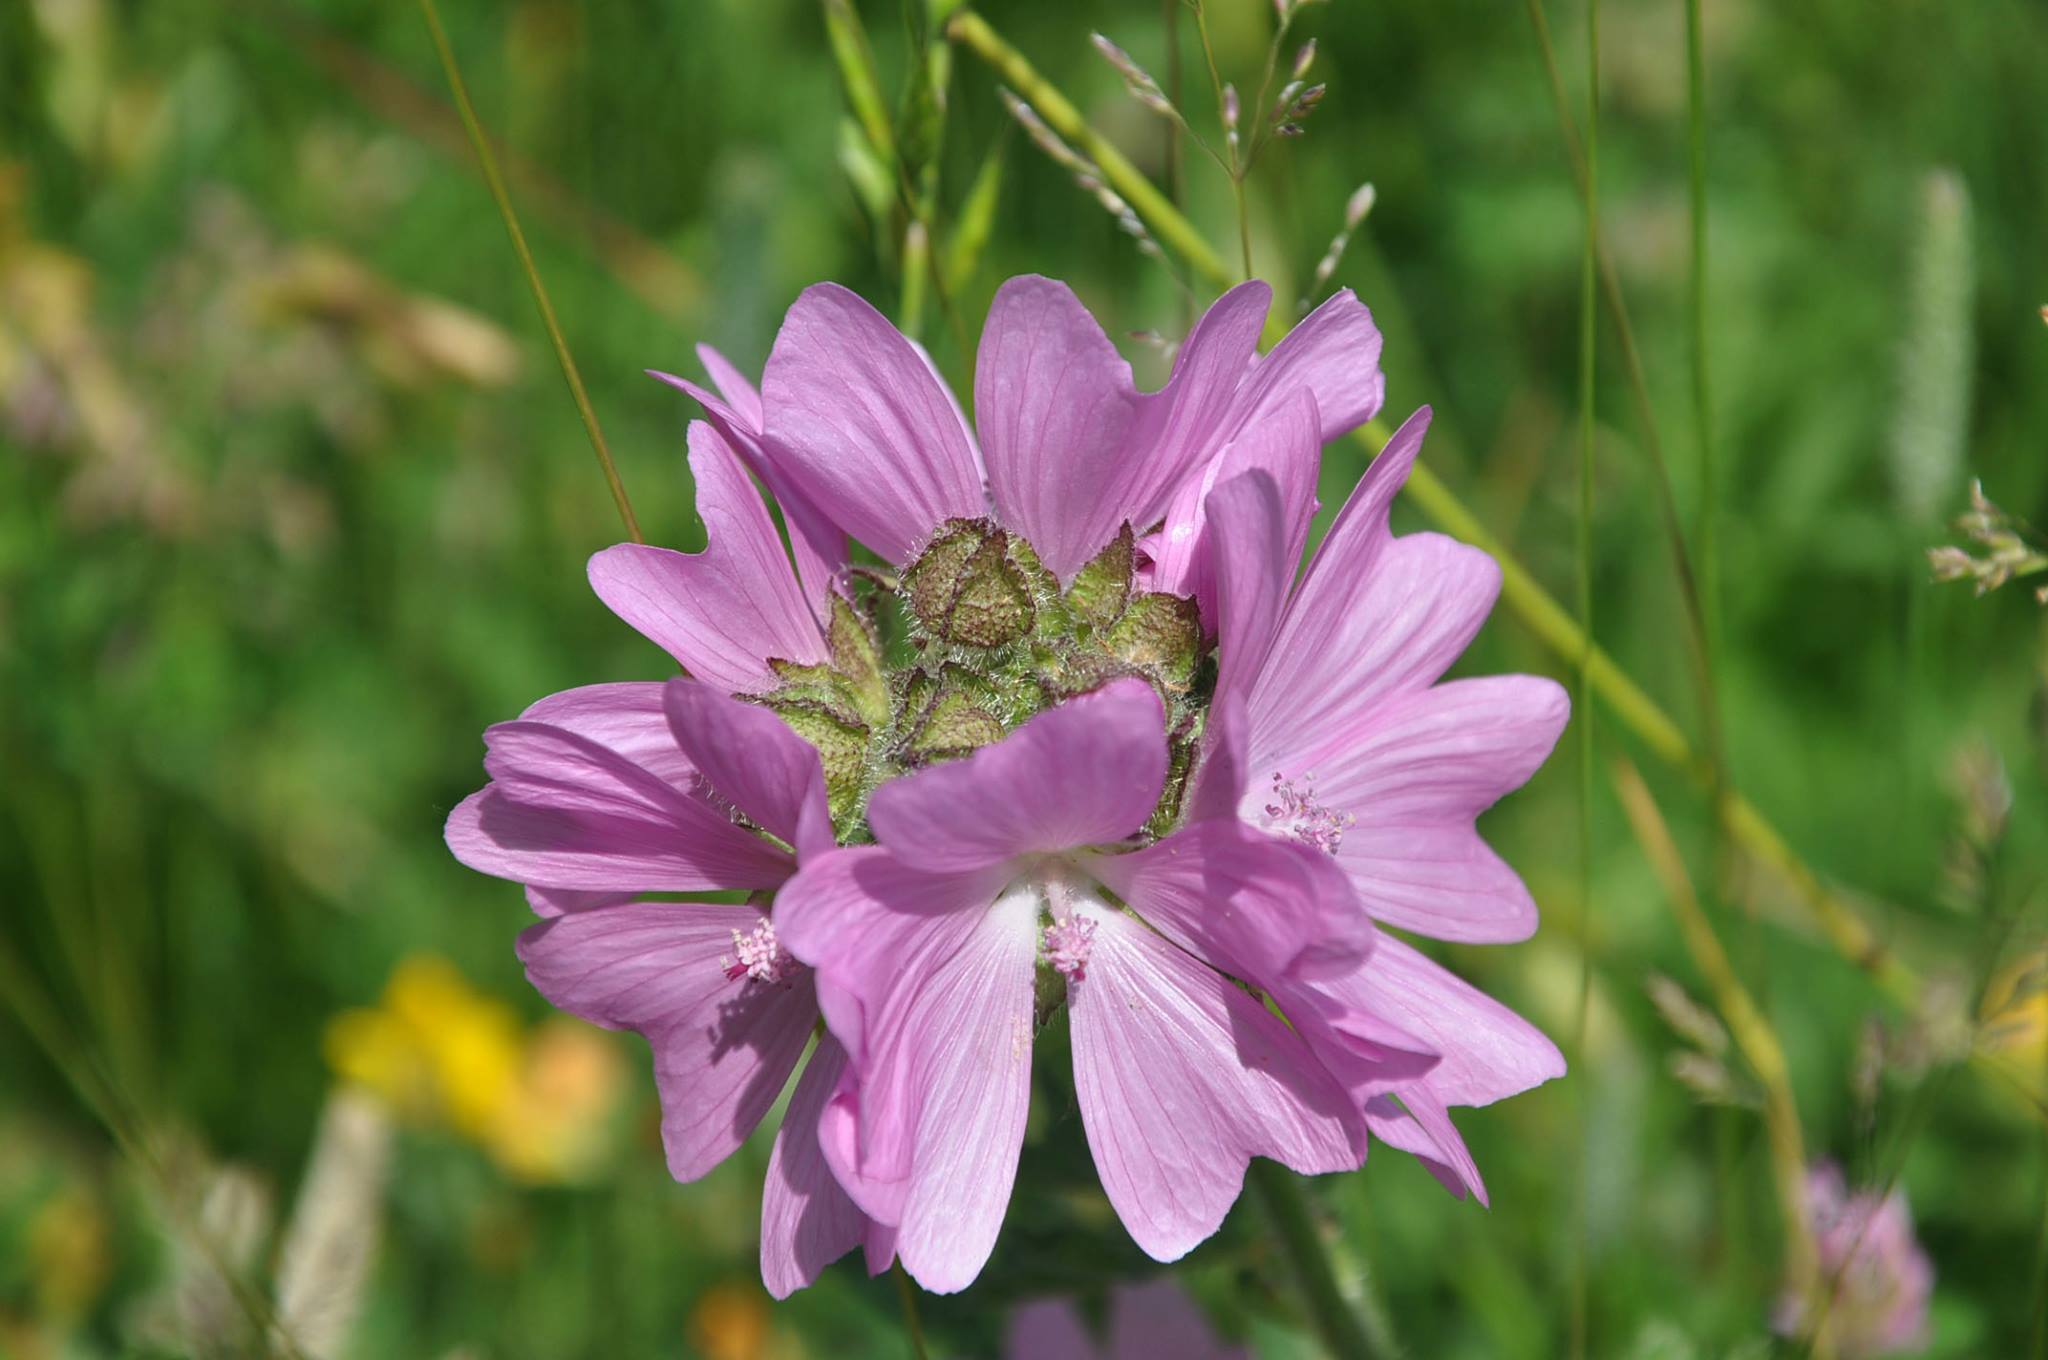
1702 404
907 1292
489 161
1589 317
1697 633
1335 1319
1232 142
916 261
1167 224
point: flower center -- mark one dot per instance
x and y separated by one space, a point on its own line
1295 810
974 637
759 956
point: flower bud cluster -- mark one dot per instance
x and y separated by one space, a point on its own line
987 637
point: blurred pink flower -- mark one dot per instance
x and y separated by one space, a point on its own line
1877 1279
1150 1321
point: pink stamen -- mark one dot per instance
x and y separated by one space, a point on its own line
1296 810
1067 942
760 957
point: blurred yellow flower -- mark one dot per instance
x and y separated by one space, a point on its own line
730 1322
2013 1033
440 1052
69 1253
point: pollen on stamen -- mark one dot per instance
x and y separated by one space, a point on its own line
1296 810
1067 942
760 957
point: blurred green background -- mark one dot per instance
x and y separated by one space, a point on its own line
293 503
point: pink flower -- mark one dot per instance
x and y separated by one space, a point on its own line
1878 1278
1146 779
1150 1321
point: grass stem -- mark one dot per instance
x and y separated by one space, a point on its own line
1747 1025
906 1292
1589 321
1335 1320
492 178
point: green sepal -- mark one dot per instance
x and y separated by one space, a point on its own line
992 606
841 741
955 725
933 581
1160 633
859 661
1103 587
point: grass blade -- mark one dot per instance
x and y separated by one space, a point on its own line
570 374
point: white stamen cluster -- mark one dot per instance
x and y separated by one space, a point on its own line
1296 809
1067 942
760 957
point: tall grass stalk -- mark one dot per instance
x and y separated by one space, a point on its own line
1707 535
1708 532
1589 346
906 1292
96 1088
1233 148
1697 635
1747 1024
570 374
1336 1321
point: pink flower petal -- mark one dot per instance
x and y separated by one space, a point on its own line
725 611
818 545
1054 403
944 1088
807 1222
868 921
1254 906
1414 1120
1286 444
1249 528
752 758
565 812
1390 633
627 719
1182 1078
723 1049
1333 354
1183 425
1489 1052
1441 880
858 420
1414 775
739 393
1086 772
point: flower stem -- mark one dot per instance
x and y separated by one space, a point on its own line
489 161
907 1292
1336 1321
